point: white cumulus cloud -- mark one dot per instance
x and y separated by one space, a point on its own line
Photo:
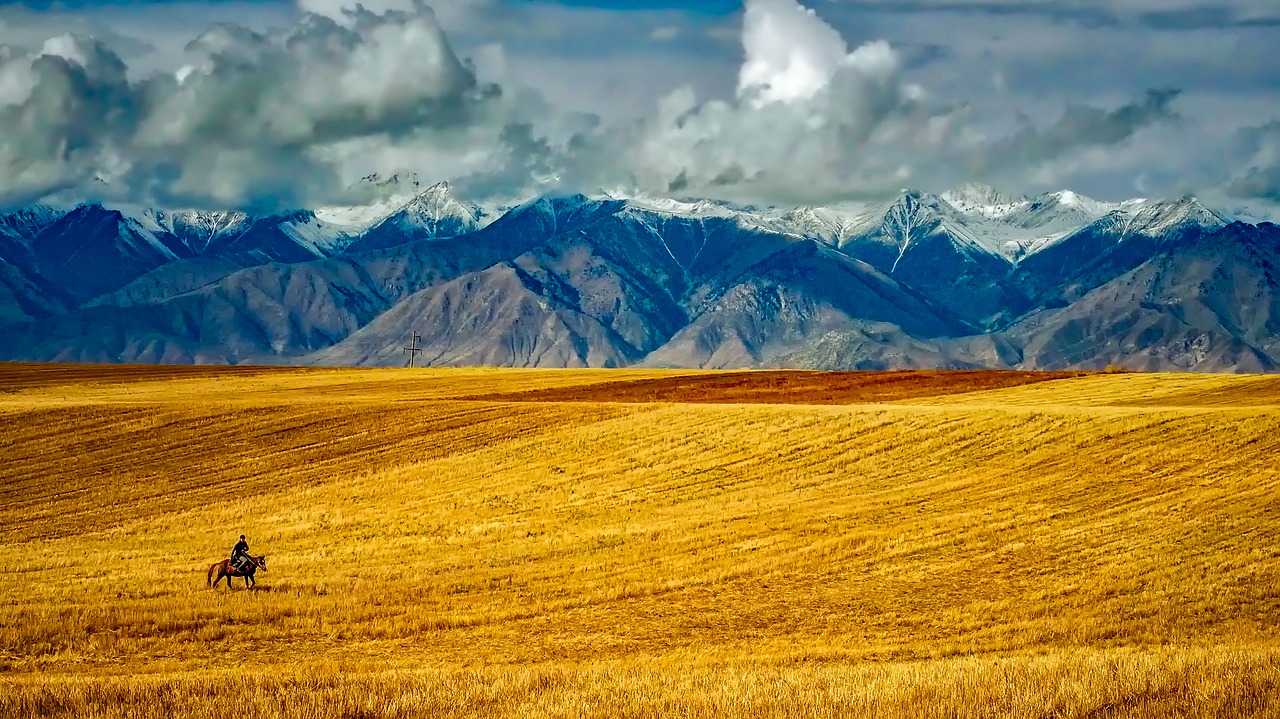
809 120
251 119
791 54
813 121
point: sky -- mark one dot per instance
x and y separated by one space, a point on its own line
276 104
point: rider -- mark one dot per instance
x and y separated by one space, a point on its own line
240 553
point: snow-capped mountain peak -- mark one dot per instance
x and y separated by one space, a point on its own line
982 219
384 198
1059 211
438 203
435 201
1157 217
29 221
688 208
430 213
983 201
918 214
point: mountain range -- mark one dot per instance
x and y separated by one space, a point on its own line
967 279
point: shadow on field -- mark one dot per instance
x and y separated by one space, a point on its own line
787 387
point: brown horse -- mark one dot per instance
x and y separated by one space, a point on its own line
224 569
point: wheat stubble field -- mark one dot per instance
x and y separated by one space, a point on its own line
638 543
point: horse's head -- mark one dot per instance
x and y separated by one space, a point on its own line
261 562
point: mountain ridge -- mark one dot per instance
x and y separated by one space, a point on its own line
966 278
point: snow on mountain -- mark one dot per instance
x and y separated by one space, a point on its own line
331 228
142 226
393 209
920 214
198 229
436 205
1061 211
1019 226
977 217
354 219
983 201
901 222
377 199
208 225
984 220
429 214
1251 211
1153 218
1147 218
674 206
27 222
832 224
400 199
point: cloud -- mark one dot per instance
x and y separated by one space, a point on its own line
813 121
791 54
665 33
1167 14
25 30
1080 126
806 111
1258 183
1227 76
454 15
251 120
60 108
1256 151
271 119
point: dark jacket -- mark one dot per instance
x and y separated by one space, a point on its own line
242 547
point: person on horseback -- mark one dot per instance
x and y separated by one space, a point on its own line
240 554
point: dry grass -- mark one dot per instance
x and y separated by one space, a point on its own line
1187 684
1100 546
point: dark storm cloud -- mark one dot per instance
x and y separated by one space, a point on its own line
1255 151
1259 183
1079 127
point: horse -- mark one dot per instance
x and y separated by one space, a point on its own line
224 569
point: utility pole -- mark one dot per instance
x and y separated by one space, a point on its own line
412 350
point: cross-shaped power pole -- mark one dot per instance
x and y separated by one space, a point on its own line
413 349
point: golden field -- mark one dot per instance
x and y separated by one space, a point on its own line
568 543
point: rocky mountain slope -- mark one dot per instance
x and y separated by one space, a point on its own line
970 278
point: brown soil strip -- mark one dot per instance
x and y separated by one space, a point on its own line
787 387
30 375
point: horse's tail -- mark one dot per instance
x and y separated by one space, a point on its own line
209 583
